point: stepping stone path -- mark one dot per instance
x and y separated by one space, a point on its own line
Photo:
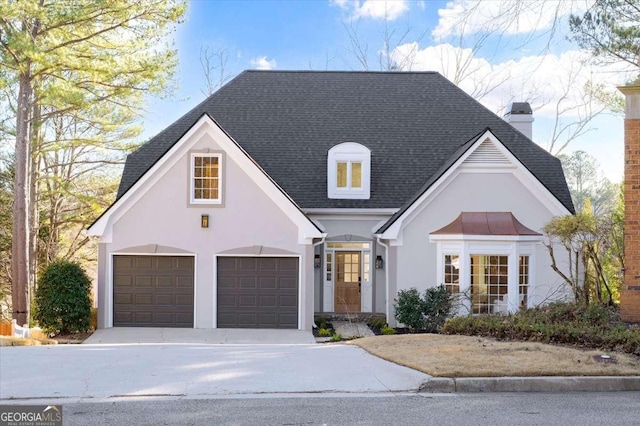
351 329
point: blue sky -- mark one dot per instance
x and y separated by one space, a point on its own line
506 60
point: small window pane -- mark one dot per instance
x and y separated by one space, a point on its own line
206 173
452 273
523 287
364 246
356 175
342 175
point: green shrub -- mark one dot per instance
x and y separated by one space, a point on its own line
408 308
63 298
386 330
593 326
336 337
320 321
427 313
437 308
324 332
377 322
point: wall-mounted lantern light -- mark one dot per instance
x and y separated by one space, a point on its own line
204 221
316 261
379 262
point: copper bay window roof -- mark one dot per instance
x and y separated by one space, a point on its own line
485 223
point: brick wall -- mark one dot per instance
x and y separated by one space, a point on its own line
630 291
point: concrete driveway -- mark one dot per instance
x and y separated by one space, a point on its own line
99 371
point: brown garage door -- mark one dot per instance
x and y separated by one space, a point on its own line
257 292
153 291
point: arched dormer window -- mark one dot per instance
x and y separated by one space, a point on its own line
349 171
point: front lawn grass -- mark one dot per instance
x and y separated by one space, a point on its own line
471 356
560 339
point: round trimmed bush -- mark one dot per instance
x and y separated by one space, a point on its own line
409 306
63 298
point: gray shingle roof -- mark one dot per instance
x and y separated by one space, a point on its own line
413 122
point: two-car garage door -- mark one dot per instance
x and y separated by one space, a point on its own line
158 291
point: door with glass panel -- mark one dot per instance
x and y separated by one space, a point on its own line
348 281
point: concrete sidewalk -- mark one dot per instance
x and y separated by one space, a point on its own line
134 335
531 384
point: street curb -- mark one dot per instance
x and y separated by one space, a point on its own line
531 384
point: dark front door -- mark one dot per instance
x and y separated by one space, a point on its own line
257 292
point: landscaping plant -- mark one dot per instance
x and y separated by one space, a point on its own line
593 326
324 332
427 313
386 330
437 308
63 298
408 308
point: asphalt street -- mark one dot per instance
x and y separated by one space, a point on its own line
496 409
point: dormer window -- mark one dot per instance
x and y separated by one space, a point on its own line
349 174
349 171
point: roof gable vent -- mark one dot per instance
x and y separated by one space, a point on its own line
487 154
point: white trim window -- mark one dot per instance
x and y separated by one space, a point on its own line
205 185
523 282
349 171
490 276
489 283
452 273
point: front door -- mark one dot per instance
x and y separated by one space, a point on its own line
347 282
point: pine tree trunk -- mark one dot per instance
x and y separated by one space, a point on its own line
20 234
35 139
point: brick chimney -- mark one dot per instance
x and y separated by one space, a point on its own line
630 291
520 116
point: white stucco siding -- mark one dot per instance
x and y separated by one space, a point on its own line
350 227
248 217
472 192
